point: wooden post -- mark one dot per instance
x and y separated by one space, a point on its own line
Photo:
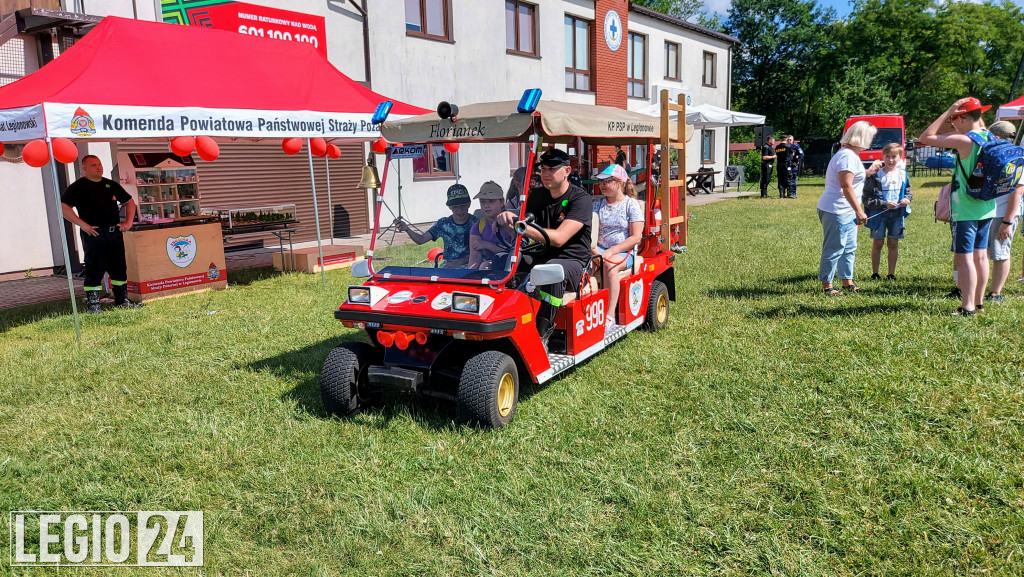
667 184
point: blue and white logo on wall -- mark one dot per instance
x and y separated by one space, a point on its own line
612 30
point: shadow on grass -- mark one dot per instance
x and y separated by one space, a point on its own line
28 314
805 310
798 285
432 413
247 276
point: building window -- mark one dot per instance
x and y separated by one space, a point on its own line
520 28
436 162
709 69
636 67
428 18
707 146
671 61
577 54
518 154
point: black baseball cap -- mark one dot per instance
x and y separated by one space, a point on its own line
554 158
458 194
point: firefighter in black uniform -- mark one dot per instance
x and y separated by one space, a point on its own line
96 198
796 156
767 163
783 167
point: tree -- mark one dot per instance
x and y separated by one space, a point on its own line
781 41
682 9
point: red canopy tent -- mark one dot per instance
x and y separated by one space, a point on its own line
1011 110
114 84
132 79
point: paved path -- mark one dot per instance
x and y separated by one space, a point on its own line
43 289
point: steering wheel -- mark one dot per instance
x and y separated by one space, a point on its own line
528 245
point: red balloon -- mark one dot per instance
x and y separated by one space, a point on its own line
64 150
207 148
317 146
36 154
333 151
2 149
433 253
380 146
183 145
451 146
291 146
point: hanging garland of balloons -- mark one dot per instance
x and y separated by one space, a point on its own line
318 146
207 148
333 151
380 146
36 154
452 147
183 145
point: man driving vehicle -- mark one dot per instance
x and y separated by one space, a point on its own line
565 212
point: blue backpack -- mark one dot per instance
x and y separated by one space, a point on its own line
999 169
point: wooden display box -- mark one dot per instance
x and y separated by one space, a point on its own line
170 261
308 259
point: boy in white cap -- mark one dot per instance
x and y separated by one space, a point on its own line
486 240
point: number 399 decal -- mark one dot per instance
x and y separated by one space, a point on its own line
595 317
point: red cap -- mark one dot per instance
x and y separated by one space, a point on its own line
971 104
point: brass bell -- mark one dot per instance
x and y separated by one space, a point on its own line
370 178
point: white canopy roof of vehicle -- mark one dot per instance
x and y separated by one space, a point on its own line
554 121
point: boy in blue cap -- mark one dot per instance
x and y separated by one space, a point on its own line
452 230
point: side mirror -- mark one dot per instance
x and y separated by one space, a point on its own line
361 269
545 274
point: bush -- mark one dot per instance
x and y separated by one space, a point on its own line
752 166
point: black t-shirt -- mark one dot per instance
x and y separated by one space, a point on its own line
782 153
96 201
575 204
767 150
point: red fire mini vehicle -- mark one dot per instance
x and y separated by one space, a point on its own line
469 335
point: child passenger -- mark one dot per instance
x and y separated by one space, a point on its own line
452 230
886 199
621 225
486 241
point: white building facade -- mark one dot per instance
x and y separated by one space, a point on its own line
422 52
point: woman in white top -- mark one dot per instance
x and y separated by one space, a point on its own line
621 225
839 208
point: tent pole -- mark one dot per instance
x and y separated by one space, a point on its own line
330 205
64 244
316 214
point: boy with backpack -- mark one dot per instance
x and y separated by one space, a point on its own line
968 215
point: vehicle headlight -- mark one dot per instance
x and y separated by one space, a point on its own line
359 295
465 303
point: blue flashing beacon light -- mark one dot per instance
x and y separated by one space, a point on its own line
382 112
528 103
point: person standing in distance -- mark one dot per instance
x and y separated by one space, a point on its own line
767 164
96 199
796 156
782 167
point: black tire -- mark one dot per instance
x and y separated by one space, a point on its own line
488 390
342 377
657 307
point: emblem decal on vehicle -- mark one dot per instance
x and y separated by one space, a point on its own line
400 297
636 295
441 302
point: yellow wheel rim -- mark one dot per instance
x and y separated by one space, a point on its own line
662 308
506 394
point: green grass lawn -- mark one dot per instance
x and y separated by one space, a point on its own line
768 430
